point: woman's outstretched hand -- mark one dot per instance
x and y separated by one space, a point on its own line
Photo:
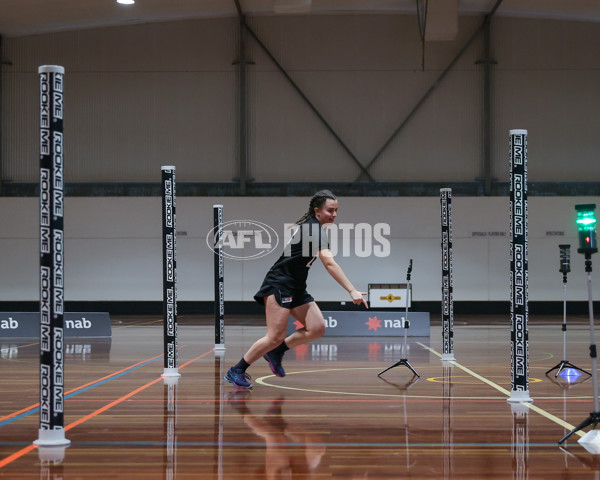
357 298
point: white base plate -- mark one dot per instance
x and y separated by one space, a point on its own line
520 396
52 438
171 372
591 441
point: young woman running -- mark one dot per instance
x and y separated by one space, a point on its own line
283 291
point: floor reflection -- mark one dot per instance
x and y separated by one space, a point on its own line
520 441
75 350
219 394
170 427
51 462
290 450
377 349
447 430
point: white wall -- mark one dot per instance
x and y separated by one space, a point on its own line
138 97
113 247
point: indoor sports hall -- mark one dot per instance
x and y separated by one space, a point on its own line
280 239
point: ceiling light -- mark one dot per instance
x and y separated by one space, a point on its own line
126 2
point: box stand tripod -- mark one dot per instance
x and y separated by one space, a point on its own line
565 267
404 361
586 226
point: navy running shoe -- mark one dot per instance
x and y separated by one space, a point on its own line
238 378
274 360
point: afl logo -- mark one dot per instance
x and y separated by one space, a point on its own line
243 239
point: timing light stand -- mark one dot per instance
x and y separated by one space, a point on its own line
404 361
565 267
586 222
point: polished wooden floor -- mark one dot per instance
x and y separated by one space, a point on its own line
330 417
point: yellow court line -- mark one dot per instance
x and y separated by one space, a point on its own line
28 345
535 408
138 324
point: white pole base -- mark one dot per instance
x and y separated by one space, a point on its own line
448 357
219 346
172 380
520 396
171 372
591 441
52 438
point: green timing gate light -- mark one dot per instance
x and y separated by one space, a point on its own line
586 228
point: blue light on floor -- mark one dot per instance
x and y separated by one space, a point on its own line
570 374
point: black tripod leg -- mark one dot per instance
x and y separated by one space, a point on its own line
404 362
588 421
411 368
559 366
397 364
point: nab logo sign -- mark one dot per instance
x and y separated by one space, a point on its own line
243 239
83 323
331 322
9 324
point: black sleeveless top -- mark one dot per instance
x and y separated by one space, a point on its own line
290 271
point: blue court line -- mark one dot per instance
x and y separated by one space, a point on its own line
298 444
36 409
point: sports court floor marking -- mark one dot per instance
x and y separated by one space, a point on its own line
118 373
531 406
82 388
262 381
303 444
29 448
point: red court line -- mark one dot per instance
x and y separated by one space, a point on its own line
29 448
35 405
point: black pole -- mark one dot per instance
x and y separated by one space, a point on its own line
447 290
219 283
169 235
51 431
519 309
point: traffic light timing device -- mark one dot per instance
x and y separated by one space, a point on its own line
586 228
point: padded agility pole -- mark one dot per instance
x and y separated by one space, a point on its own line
219 270
447 289
169 233
519 309
52 281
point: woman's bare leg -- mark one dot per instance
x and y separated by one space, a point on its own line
311 317
277 321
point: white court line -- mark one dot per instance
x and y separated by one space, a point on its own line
535 408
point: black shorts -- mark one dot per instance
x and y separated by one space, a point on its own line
286 299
